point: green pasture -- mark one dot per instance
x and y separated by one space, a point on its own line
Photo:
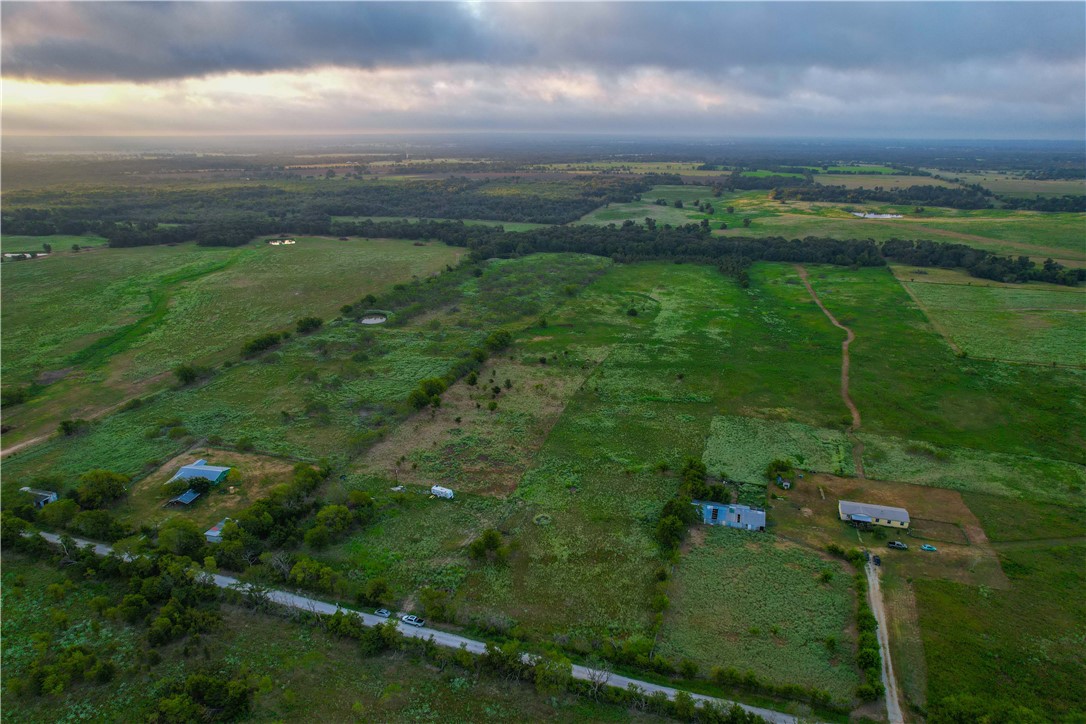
1015 324
323 394
1009 184
61 243
507 225
123 318
1010 648
746 601
973 470
1034 234
908 383
870 179
741 448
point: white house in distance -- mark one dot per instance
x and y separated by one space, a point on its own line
885 515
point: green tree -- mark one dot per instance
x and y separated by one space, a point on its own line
58 514
305 325
552 673
98 487
181 537
337 518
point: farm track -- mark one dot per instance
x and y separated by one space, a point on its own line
453 641
857 444
889 681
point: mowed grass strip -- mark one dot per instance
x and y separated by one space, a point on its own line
1019 324
748 601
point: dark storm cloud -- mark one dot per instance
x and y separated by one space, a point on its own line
149 41
90 41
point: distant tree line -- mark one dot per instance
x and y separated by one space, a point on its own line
1067 202
979 263
223 216
970 197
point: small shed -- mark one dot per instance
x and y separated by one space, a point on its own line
441 492
871 514
214 533
200 469
41 498
185 498
731 515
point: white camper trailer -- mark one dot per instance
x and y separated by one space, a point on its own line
441 492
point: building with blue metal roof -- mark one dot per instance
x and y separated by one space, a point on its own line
200 469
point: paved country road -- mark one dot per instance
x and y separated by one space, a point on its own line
450 640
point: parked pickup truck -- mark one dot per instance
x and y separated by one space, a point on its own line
897 545
413 620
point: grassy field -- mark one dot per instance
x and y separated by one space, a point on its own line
1004 183
61 243
909 384
871 180
740 448
330 393
747 601
1015 647
507 225
1034 234
1012 323
303 673
122 318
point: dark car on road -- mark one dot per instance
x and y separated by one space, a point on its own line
897 545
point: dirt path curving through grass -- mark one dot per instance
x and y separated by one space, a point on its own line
857 445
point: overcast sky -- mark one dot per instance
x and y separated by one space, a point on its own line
936 70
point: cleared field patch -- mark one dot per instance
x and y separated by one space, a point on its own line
805 516
741 448
251 477
972 470
468 447
1021 324
751 602
1031 520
